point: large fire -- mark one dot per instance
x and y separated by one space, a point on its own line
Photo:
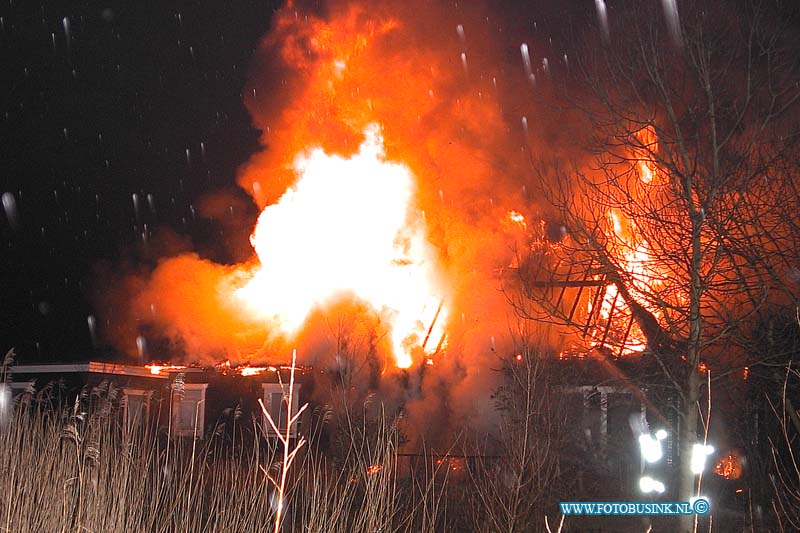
632 253
347 228
385 185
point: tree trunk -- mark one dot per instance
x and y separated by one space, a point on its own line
691 392
688 438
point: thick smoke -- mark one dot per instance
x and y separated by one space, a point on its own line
449 91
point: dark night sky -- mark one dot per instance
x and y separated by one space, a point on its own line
94 111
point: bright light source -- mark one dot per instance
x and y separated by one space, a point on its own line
648 485
650 448
661 434
699 454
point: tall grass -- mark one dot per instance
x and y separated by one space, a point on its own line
76 469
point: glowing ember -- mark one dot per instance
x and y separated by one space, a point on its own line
159 369
454 464
729 467
374 469
346 228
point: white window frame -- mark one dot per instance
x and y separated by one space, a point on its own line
268 389
144 416
8 395
197 430
6 403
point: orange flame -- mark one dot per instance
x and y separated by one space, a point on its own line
633 254
408 232
223 366
517 218
159 369
646 166
253 370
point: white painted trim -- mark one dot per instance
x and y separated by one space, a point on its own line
267 390
92 367
145 415
200 411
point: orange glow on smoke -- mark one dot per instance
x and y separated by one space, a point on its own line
385 194
347 228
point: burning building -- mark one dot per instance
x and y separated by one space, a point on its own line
391 212
387 210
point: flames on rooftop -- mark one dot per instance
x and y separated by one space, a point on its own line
224 367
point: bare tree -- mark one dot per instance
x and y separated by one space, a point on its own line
514 489
681 222
785 471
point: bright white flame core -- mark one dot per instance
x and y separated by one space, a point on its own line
699 454
346 227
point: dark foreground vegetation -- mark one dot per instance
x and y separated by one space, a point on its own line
82 467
